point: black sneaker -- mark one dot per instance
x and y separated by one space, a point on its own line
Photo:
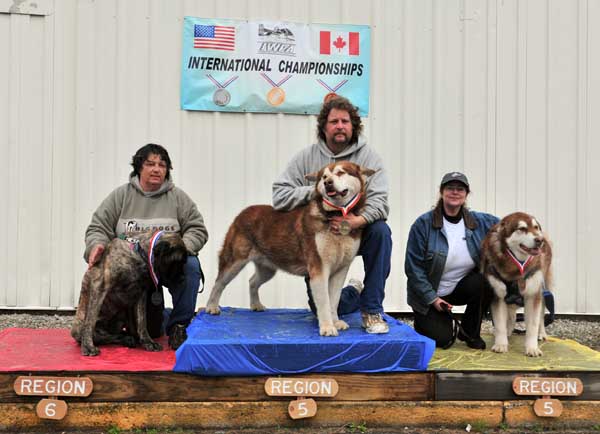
178 336
475 343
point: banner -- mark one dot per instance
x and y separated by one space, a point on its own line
273 66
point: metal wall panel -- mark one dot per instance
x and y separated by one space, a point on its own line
508 91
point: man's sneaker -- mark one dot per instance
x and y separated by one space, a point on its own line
178 336
357 284
374 323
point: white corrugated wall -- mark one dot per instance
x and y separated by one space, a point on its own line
506 90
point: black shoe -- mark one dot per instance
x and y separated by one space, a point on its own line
475 343
178 336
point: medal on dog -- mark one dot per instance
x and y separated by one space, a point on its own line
345 227
156 298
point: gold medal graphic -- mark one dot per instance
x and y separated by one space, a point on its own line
275 96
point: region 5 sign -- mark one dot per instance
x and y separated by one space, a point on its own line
546 386
327 387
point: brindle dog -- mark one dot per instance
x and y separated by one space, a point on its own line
112 303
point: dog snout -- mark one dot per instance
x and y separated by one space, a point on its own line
328 184
538 241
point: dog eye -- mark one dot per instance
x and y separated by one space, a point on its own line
523 229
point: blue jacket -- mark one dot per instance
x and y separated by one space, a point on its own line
427 250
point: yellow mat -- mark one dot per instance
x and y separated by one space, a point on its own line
559 355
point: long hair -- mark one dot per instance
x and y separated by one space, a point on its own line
339 103
137 161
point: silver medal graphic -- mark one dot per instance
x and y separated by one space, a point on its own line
221 97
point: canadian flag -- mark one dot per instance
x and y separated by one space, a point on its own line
344 43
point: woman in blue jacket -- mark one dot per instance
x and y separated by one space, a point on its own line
442 266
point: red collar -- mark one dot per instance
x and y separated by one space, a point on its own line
347 208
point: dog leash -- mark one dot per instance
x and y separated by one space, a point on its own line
456 327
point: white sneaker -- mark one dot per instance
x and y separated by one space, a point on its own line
374 323
357 284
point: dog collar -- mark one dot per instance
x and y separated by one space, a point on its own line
518 263
346 208
153 242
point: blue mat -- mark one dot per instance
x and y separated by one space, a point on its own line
287 341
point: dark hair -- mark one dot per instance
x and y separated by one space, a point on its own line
339 103
137 161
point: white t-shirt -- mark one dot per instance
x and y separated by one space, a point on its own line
459 261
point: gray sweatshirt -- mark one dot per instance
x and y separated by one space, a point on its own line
291 189
129 209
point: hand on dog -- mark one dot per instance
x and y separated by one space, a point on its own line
95 255
442 305
355 221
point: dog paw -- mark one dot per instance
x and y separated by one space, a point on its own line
152 346
542 337
341 325
500 348
258 307
129 342
328 330
89 351
533 352
213 310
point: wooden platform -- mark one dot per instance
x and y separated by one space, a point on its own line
131 400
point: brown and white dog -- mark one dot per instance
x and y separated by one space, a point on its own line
112 302
516 250
299 242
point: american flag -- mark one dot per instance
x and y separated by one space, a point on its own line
214 37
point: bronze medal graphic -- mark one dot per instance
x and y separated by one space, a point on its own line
276 96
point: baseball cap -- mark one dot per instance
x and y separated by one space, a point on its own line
455 176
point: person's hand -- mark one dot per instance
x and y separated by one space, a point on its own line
95 255
442 305
355 222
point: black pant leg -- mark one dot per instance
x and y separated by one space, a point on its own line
435 325
474 291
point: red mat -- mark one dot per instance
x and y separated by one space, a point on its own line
56 350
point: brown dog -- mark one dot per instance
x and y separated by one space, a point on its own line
112 303
516 251
299 242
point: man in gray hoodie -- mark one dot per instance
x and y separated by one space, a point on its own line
339 130
150 201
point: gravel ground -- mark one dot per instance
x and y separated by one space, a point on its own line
585 331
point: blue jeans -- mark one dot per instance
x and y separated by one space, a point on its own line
376 251
184 295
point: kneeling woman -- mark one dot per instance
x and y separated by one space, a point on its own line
442 266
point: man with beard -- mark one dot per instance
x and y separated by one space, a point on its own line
339 130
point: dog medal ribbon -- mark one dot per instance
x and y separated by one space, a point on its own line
332 90
221 97
156 298
344 227
519 264
276 96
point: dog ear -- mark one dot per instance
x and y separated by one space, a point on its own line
367 172
312 177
